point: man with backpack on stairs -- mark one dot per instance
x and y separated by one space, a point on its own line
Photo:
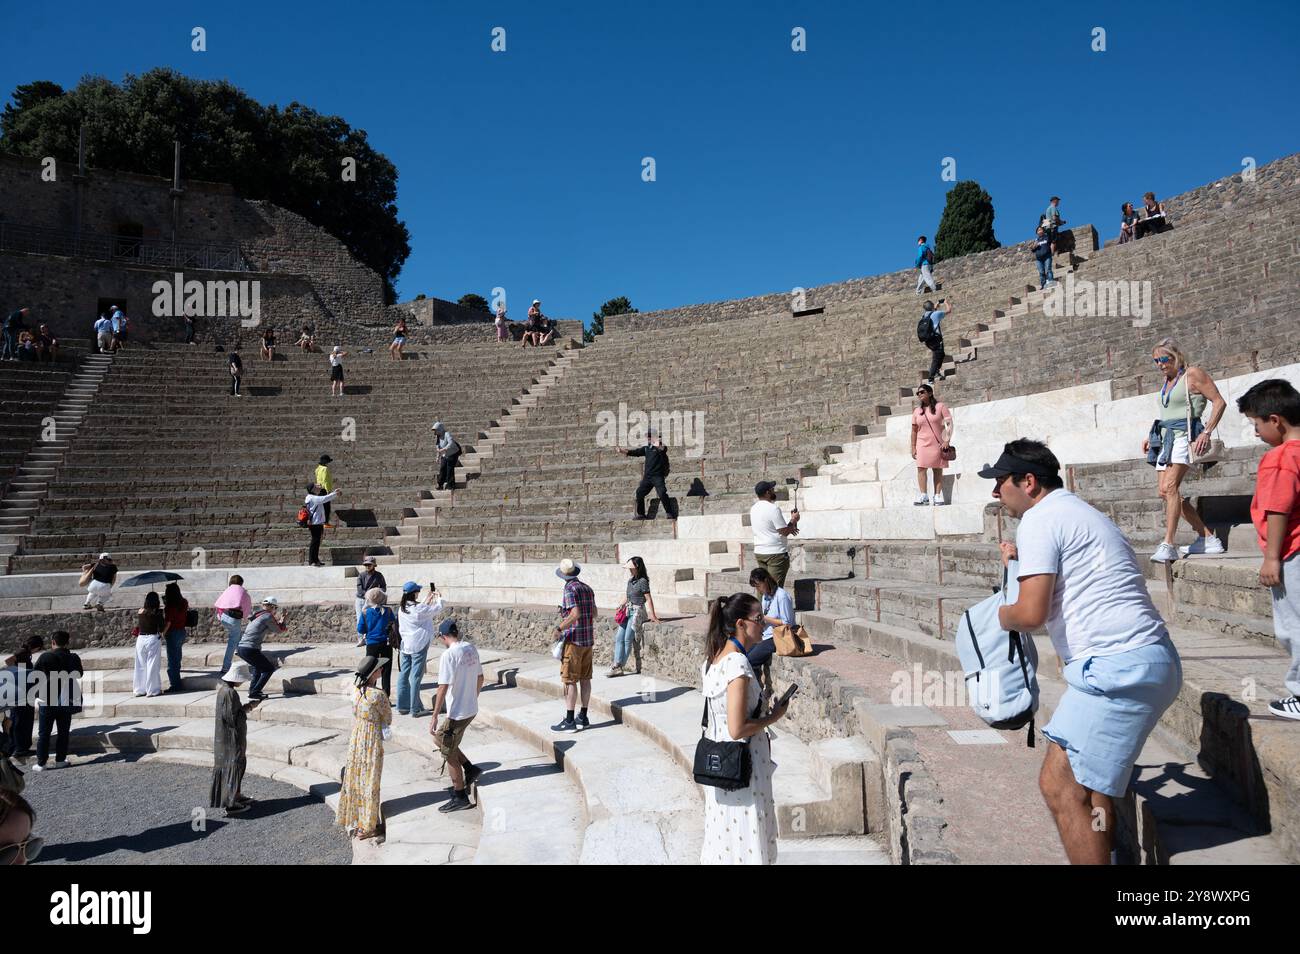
1078 574
929 331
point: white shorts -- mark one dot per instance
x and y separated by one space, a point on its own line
1181 453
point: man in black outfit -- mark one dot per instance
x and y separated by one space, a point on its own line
61 695
236 372
656 469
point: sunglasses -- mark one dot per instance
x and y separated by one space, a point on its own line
29 849
1162 361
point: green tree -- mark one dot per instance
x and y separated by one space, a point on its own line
292 155
477 302
615 306
967 223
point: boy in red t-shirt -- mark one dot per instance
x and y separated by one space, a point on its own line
1273 406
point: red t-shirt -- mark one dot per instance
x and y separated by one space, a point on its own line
1277 490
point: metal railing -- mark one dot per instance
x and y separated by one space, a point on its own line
123 249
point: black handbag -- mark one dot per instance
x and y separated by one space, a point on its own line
191 618
724 765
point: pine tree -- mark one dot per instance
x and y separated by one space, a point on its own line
615 306
967 223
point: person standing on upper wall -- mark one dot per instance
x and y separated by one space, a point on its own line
924 263
1170 446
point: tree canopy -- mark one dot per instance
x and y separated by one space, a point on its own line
615 306
292 155
967 223
476 302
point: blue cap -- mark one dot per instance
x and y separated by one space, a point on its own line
410 586
448 628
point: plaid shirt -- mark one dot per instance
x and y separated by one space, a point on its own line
579 594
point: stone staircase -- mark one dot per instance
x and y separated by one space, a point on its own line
619 792
42 463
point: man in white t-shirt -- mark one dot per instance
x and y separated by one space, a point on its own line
1080 577
460 680
770 531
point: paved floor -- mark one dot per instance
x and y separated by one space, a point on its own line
114 810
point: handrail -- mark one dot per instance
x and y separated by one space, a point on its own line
101 247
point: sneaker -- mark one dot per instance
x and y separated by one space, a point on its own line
1288 708
38 767
1209 544
1165 553
458 802
61 763
565 725
582 723
921 500
403 711
472 775
237 808
616 671
939 501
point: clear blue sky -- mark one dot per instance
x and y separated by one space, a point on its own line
775 169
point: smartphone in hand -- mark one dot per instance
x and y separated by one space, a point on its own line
788 694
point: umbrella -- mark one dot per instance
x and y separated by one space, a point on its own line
152 577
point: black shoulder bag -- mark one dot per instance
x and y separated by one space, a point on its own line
724 765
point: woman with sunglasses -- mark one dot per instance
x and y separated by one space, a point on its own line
17 846
1184 392
739 825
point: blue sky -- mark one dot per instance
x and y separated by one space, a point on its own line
774 169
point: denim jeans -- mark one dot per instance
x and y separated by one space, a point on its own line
1045 271
173 639
234 629
408 685
762 652
10 349
263 668
627 634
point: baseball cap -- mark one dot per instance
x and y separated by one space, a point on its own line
447 628
271 601
763 486
368 561
437 426
410 586
105 556
1011 464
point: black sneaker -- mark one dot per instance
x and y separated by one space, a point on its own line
565 725
472 775
458 802
582 723
237 808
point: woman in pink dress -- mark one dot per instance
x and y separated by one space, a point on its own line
931 436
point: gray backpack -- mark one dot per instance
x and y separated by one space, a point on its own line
1001 667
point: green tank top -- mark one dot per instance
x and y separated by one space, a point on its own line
1172 404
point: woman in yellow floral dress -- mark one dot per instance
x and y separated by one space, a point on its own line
359 810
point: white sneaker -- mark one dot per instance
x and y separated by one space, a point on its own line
1165 553
1288 708
41 768
922 500
938 500
1210 544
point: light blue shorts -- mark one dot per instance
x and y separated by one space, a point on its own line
1109 709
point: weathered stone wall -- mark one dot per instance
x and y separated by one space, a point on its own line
1007 257
63 293
437 320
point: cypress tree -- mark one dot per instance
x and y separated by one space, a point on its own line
967 223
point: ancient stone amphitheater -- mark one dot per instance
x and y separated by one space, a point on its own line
145 455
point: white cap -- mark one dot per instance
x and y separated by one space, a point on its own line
271 601
437 426
537 301
105 556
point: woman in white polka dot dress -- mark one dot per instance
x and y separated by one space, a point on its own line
739 826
